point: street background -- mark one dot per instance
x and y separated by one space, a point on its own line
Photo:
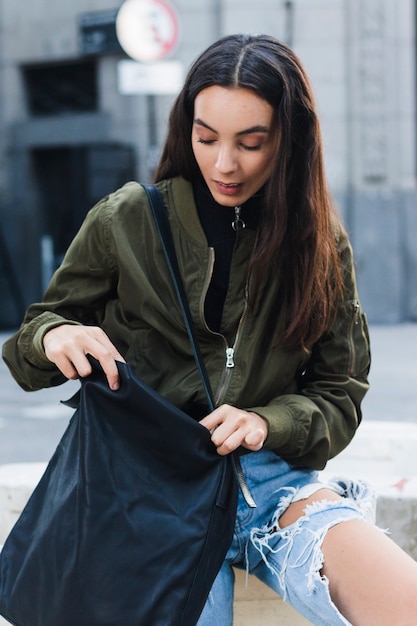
75 124
31 424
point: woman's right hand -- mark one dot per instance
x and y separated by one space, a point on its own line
67 346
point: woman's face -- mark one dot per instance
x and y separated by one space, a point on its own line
232 141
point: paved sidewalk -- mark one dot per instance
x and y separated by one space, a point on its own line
32 423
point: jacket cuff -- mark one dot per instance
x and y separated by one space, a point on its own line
281 430
33 338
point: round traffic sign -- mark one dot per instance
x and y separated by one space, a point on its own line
147 30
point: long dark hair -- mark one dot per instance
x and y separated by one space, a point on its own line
296 231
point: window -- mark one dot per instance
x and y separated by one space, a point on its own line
53 89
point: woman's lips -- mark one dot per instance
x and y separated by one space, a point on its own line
228 189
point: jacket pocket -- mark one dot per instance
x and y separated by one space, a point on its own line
358 340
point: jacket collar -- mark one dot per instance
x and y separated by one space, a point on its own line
183 199
185 207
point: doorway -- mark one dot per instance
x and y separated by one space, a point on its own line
69 181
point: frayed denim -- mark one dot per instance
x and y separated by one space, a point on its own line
287 559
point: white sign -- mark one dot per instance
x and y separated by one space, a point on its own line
164 77
147 30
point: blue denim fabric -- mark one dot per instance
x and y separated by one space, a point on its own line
288 560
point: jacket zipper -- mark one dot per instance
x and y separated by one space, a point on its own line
226 376
354 322
230 352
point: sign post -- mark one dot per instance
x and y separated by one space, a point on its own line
160 78
149 31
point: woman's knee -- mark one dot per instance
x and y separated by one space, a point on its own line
298 508
293 557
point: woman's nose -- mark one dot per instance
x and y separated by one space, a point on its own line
225 162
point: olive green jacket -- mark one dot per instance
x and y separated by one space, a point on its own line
114 275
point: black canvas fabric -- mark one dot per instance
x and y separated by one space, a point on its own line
130 522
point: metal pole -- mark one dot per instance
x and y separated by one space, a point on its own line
217 18
152 157
7 272
289 22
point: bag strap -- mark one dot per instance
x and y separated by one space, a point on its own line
161 219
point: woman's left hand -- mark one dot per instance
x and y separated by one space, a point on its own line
232 427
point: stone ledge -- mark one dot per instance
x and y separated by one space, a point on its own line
255 604
17 481
382 453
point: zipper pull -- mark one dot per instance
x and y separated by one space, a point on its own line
238 223
356 310
229 357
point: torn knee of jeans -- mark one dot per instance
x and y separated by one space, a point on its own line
359 492
300 543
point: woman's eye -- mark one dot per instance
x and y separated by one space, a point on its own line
209 142
252 148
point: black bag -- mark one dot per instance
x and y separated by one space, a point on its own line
130 522
133 517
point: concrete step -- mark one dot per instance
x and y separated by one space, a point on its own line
382 453
17 481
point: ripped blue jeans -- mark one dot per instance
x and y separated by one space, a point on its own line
288 560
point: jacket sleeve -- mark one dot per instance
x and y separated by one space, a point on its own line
76 295
317 422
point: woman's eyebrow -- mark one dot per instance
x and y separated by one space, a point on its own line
258 128
201 123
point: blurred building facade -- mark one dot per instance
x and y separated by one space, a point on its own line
68 136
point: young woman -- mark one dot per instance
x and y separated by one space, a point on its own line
269 275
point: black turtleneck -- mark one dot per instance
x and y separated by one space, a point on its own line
216 221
